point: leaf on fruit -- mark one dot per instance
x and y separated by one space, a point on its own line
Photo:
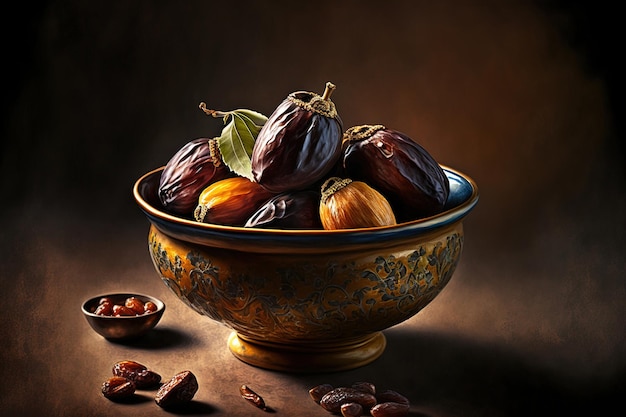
237 139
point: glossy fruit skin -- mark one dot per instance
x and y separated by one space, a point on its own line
348 204
297 146
180 389
230 202
191 169
398 167
118 388
290 210
136 372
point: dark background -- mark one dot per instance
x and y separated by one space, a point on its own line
525 97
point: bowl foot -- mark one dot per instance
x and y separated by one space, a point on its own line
308 357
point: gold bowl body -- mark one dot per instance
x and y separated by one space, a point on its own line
311 300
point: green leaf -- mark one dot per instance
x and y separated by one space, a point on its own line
237 139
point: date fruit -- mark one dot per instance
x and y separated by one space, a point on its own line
365 387
105 307
289 210
135 304
390 409
122 310
351 410
362 397
196 165
252 397
132 306
348 204
136 372
230 201
180 389
118 388
319 391
391 396
398 167
149 307
334 399
299 144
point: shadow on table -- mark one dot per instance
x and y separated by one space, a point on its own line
446 375
158 338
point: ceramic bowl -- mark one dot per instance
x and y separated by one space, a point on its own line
307 300
122 327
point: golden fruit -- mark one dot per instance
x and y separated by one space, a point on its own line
230 201
348 204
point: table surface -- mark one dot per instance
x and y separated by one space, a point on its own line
534 331
532 322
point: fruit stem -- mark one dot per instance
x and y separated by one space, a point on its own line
214 113
330 87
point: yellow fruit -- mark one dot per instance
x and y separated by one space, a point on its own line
230 201
348 204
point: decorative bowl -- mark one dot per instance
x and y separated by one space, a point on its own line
307 300
122 327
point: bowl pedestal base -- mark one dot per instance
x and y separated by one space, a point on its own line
310 357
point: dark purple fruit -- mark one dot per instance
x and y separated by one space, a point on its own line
291 210
398 167
196 165
299 144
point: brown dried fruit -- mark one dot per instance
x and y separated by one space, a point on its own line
150 307
348 204
351 410
118 388
127 368
230 201
132 307
252 397
180 389
104 309
291 210
147 379
390 409
398 167
120 310
299 144
365 387
136 372
135 304
334 399
391 396
196 165
319 391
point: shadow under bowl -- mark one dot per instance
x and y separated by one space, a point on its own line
122 327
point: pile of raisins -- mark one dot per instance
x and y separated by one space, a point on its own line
132 306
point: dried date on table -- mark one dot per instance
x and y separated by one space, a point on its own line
252 397
390 409
118 388
334 399
136 372
319 391
180 389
